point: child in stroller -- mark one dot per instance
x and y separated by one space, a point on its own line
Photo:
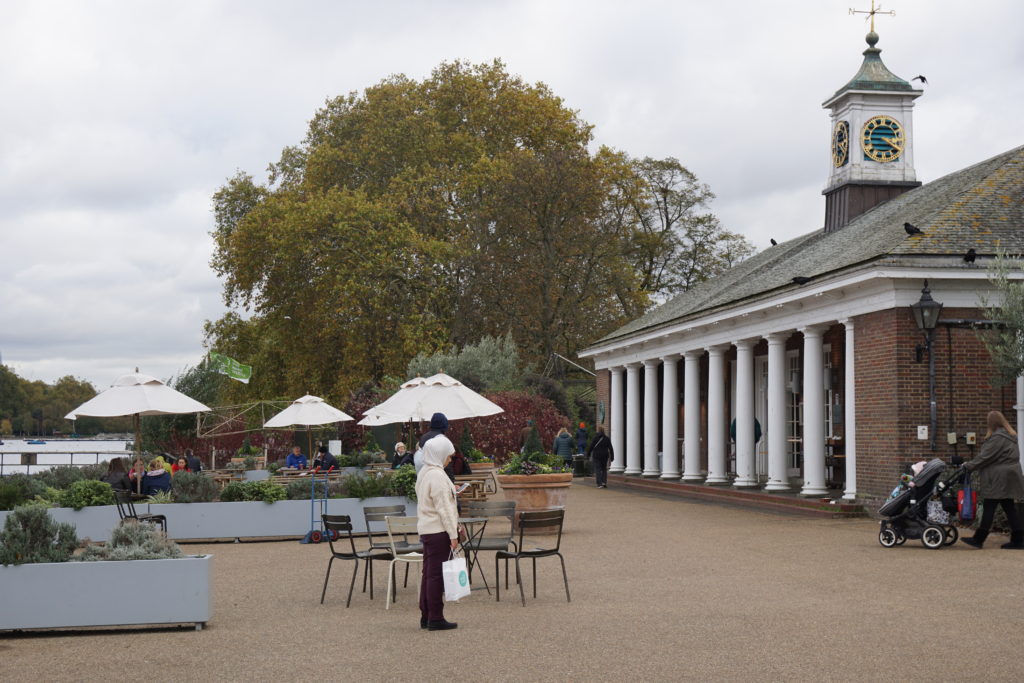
906 514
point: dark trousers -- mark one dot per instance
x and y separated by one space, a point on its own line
436 551
601 471
988 513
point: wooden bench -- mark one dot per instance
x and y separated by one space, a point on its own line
478 486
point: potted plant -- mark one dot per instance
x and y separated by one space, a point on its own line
535 481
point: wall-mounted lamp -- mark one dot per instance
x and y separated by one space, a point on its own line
926 314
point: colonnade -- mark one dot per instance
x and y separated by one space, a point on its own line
626 401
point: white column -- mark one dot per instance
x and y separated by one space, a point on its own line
691 416
717 428
670 418
618 422
776 434
850 412
633 418
651 418
1020 420
814 412
745 413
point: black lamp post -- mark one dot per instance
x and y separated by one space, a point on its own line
926 315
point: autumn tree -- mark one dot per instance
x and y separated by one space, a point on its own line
421 216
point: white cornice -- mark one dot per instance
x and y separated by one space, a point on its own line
828 301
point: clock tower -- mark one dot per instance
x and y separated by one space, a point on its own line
871 151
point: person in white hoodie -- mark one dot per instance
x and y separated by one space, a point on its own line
438 527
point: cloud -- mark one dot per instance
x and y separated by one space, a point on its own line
124 118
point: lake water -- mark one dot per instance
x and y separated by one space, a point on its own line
59 452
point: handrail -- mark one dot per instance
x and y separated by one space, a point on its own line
95 460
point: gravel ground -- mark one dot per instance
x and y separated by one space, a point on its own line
662 589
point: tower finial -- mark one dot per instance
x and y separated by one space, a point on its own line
872 37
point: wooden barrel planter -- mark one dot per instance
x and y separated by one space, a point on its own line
533 492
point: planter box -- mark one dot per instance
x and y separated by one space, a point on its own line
205 521
73 594
94 523
287 518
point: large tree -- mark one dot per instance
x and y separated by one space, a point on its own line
417 216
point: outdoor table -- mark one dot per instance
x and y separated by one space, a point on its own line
474 534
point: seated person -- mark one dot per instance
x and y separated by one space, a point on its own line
157 479
457 466
136 475
324 460
194 463
181 465
400 458
116 476
296 459
164 461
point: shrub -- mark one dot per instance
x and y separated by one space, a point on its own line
533 463
466 442
267 491
301 489
478 456
370 487
31 535
533 444
61 476
403 481
233 492
275 466
347 461
133 540
87 492
95 471
501 433
18 489
193 487
161 498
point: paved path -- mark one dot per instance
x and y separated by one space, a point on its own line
662 589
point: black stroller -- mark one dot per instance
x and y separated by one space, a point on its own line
906 515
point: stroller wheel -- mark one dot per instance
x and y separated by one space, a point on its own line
951 534
933 537
901 540
888 538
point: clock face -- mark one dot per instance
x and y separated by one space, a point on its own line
882 139
841 144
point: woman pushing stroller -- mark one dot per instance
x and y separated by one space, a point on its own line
1002 481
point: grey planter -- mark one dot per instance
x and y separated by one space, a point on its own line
206 521
94 523
73 594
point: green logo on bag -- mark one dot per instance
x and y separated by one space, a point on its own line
463 579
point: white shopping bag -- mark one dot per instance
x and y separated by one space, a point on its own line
456 578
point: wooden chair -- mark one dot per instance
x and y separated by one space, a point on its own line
126 510
341 526
534 520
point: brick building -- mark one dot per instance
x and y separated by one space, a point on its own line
803 369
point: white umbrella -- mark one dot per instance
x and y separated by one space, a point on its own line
137 394
307 411
420 398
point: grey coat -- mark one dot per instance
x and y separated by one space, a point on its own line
999 466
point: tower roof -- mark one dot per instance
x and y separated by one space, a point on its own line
873 74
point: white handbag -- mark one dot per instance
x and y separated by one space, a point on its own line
456 578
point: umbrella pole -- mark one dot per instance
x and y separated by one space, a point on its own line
137 419
309 440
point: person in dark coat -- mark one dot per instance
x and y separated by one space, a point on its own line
194 463
157 479
1002 481
324 460
116 476
601 453
457 466
581 438
398 458
563 446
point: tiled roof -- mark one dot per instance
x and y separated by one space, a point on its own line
979 207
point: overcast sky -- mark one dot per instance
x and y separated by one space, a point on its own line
121 119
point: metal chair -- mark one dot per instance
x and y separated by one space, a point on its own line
535 520
336 528
498 535
400 528
378 514
126 510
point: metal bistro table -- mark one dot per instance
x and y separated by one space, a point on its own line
474 534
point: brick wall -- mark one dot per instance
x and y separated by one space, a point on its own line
893 394
604 393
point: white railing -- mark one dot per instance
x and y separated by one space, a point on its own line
12 463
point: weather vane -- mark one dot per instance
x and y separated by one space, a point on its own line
874 10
